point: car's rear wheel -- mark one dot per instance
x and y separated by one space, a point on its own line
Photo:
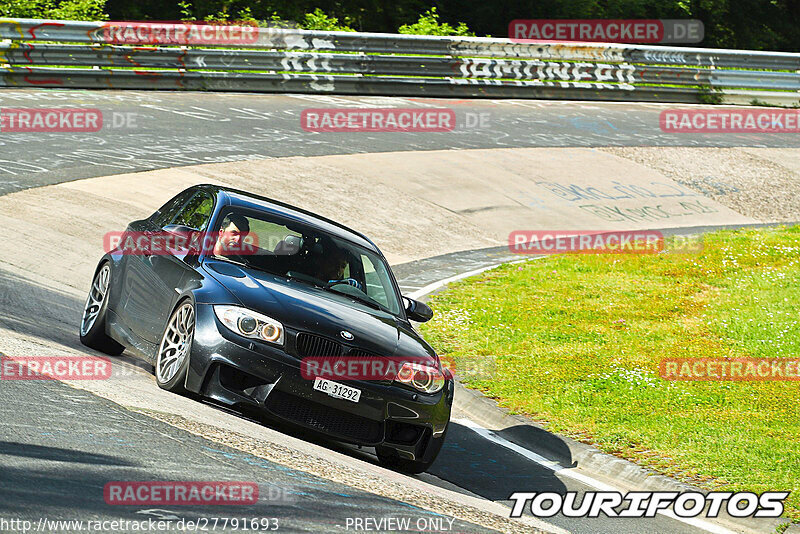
389 458
93 323
173 351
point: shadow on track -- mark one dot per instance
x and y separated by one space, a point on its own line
468 461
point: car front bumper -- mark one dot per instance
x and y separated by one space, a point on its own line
245 373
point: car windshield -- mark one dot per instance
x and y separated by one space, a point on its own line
293 250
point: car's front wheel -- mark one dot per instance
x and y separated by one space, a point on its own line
176 345
93 322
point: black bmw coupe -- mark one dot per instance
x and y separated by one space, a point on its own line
227 293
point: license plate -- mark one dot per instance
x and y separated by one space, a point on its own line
335 389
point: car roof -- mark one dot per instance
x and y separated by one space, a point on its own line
244 199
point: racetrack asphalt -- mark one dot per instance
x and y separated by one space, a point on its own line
79 440
60 445
145 130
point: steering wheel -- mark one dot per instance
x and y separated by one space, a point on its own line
346 281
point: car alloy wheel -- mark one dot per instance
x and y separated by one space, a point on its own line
173 352
96 298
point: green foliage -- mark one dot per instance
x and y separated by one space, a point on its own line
577 341
318 20
186 10
428 24
54 9
275 21
744 24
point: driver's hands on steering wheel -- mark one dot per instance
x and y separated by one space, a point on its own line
350 281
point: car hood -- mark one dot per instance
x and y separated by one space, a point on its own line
303 307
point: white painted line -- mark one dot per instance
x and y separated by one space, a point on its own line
569 473
436 285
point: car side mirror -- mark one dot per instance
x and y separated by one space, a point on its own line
418 311
188 240
179 229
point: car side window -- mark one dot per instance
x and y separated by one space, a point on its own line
375 288
167 212
197 212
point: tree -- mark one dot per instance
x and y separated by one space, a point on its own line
428 24
318 20
55 9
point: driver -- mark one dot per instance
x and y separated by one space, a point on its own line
231 240
331 267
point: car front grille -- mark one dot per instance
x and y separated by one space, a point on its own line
314 346
358 353
310 345
324 418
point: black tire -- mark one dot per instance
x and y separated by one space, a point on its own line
388 457
92 330
174 380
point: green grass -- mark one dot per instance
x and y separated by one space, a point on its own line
574 341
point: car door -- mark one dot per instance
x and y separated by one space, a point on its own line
155 280
132 307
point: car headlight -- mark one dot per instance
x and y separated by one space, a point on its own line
422 377
250 324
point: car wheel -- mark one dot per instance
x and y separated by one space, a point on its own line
176 345
93 323
388 457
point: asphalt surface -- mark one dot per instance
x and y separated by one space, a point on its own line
60 445
80 441
55 469
151 130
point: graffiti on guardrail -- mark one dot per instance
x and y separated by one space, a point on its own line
288 60
547 70
661 56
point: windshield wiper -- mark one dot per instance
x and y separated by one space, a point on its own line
303 279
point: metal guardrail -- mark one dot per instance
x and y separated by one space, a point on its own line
44 53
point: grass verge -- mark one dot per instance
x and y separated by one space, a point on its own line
575 341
